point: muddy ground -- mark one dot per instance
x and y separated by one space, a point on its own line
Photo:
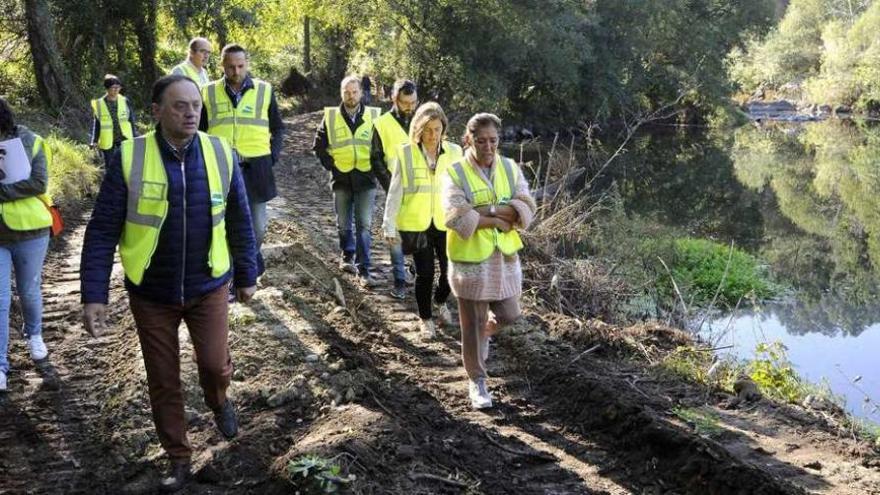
346 376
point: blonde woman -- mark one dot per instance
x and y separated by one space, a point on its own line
413 214
486 200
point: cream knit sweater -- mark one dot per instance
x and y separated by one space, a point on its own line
498 277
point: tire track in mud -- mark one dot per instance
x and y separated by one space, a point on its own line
48 427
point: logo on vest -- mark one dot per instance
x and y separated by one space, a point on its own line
247 109
216 199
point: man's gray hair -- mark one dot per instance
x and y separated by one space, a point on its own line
350 79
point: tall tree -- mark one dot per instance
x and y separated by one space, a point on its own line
307 45
144 21
53 80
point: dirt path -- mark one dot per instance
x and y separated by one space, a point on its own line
356 384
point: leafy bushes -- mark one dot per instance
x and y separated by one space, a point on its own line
823 51
72 175
700 268
774 374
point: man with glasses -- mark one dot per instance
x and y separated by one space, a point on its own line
194 65
392 130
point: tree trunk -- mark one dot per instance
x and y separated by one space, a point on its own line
145 30
307 45
220 28
53 81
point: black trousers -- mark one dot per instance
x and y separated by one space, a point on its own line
108 154
425 260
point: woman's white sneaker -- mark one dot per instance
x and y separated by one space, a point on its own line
444 317
37 347
479 394
427 328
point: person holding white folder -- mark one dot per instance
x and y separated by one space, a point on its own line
24 232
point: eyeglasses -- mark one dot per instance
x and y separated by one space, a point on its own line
204 52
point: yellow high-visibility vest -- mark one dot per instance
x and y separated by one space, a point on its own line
484 242
147 182
392 135
102 112
350 151
245 126
187 69
420 204
29 213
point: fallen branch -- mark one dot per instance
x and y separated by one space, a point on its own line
637 389
378 402
718 289
337 291
675 286
310 274
441 479
591 349
713 349
540 455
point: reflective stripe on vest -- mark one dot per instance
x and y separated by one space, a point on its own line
102 112
350 151
147 206
28 213
420 204
392 135
483 242
246 126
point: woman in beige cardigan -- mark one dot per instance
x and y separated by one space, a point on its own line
486 199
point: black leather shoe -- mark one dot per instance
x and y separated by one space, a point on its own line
178 477
226 420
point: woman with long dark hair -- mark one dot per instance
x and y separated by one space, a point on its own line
24 240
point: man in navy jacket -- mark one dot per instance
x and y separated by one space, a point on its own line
178 283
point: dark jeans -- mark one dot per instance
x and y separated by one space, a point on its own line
108 154
425 260
259 219
157 324
359 207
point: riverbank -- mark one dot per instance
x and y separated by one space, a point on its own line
582 406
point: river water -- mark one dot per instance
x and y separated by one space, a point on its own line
804 199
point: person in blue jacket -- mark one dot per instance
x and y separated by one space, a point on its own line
175 203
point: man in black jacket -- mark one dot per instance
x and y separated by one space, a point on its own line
234 109
342 144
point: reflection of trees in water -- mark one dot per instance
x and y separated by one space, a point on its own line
824 177
687 181
830 314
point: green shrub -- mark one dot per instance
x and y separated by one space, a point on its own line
72 174
316 474
698 267
774 374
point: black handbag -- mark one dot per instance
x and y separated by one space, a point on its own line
413 241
